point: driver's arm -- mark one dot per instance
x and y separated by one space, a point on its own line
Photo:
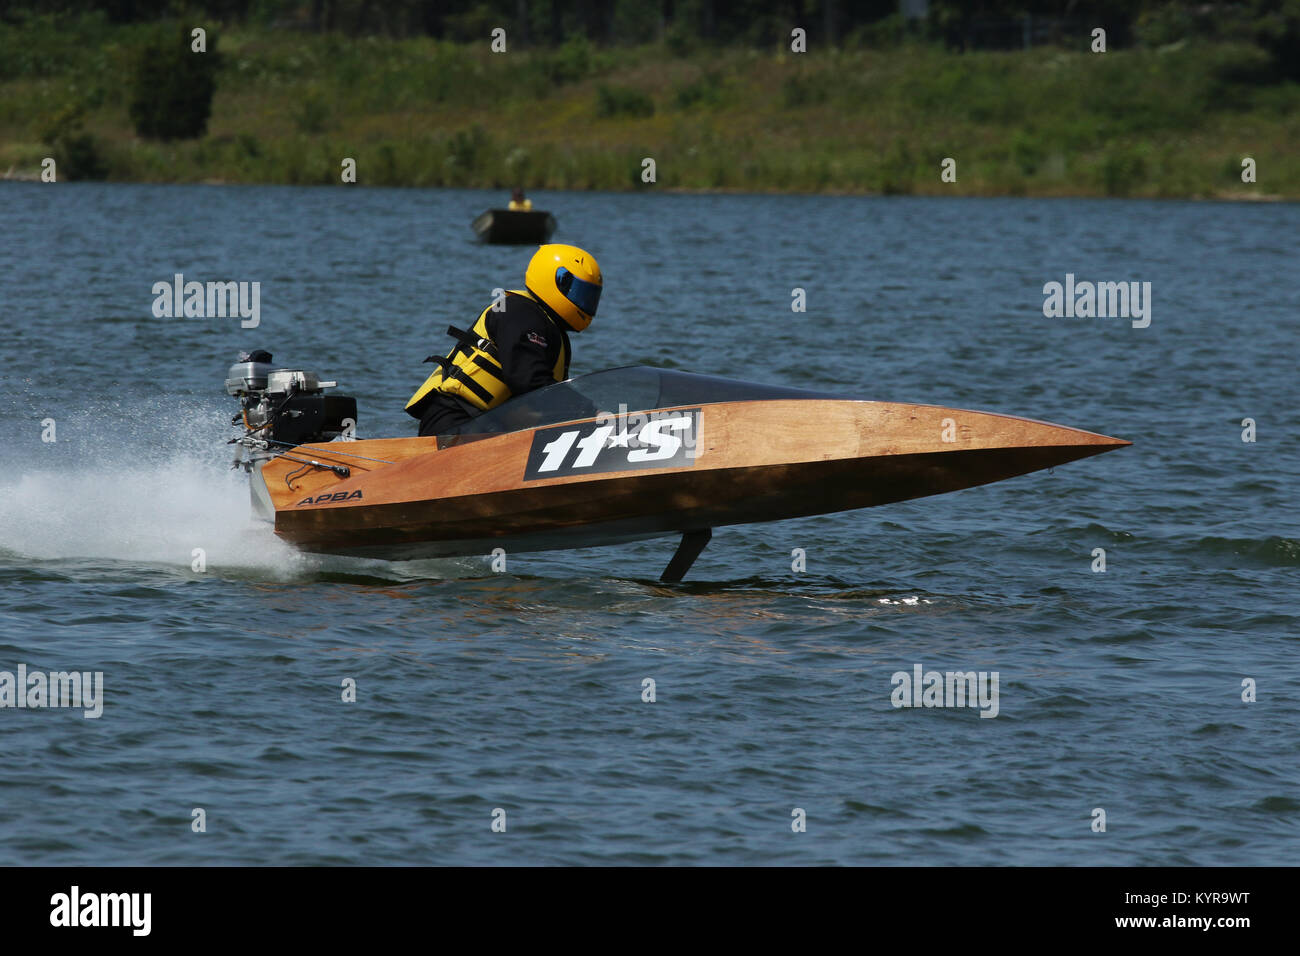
528 347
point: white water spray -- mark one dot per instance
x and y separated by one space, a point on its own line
154 499
152 512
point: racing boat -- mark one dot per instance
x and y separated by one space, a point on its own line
609 457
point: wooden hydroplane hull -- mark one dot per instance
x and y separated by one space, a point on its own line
598 481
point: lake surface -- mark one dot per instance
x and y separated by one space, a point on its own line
1119 690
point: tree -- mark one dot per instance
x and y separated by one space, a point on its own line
172 86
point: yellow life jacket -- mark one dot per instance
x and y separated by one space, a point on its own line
525 206
472 369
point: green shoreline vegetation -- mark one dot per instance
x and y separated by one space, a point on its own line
1172 119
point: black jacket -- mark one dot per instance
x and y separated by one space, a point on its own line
528 344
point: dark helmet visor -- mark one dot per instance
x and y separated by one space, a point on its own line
585 295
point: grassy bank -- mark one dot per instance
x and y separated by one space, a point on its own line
1168 122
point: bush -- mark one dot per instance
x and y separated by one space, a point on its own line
467 157
474 25
797 91
575 60
1027 152
897 170
707 92
172 87
623 101
312 113
76 153
1171 23
680 39
1122 170
79 157
468 146
571 62
884 34
1241 64
45 44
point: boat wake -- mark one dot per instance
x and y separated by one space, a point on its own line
175 512
167 500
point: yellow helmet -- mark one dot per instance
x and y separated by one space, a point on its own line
568 280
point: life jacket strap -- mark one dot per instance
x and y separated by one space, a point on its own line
459 374
469 340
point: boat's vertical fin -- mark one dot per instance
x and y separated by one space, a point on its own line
692 543
263 506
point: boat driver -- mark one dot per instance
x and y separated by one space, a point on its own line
519 343
518 203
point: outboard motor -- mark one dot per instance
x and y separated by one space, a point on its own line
287 406
284 407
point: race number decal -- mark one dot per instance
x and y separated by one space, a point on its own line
615 443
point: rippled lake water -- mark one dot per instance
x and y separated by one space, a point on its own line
522 691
